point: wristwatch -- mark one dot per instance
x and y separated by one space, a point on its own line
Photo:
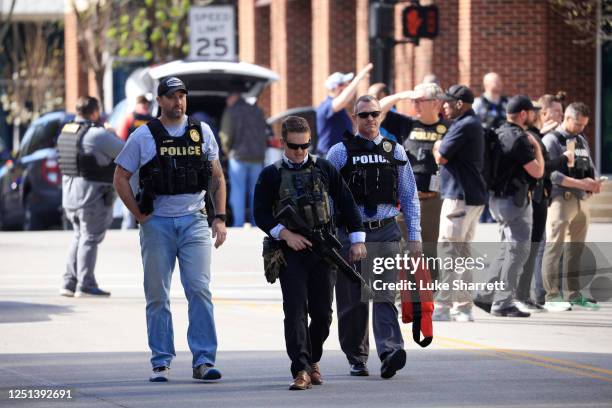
222 217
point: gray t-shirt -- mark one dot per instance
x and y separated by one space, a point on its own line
78 192
555 150
140 149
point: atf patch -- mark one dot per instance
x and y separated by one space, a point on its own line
441 129
195 135
387 146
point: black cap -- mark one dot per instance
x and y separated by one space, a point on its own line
520 103
169 85
459 93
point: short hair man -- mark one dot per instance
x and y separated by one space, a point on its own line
379 175
490 107
568 213
86 152
462 188
332 119
177 161
307 281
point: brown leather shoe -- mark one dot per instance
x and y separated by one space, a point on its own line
315 374
301 381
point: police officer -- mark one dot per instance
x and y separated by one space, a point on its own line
379 176
178 164
418 136
568 214
520 163
306 183
86 152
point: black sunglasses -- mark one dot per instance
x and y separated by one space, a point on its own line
364 115
295 146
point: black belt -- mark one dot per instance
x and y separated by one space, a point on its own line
376 224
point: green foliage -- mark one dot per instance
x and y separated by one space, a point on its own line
153 30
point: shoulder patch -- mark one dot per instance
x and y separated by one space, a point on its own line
71 128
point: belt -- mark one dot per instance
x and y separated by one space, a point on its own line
426 195
376 224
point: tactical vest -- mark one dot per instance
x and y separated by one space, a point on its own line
419 148
180 166
492 115
371 171
582 162
306 190
139 119
74 162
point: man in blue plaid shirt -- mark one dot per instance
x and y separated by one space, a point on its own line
379 175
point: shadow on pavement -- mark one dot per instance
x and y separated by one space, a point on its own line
20 312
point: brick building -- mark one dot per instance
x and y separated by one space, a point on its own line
525 41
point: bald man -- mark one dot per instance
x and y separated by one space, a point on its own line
490 107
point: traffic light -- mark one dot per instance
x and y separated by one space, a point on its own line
381 20
420 22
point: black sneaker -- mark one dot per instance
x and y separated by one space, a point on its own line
206 372
393 362
359 370
483 305
92 292
510 311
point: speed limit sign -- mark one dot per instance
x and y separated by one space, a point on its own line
213 33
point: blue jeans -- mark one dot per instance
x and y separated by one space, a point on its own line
242 178
162 240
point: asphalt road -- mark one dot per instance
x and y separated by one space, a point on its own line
97 348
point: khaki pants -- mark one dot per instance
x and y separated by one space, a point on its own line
457 229
568 222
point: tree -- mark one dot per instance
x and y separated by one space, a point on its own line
583 16
156 31
33 70
94 18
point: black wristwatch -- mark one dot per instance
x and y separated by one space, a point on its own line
222 217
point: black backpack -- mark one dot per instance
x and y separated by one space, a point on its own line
492 158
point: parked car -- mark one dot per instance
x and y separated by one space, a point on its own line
30 182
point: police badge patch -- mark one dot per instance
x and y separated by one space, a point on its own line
195 135
441 129
387 146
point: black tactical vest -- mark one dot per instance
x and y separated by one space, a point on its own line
419 147
139 120
73 162
306 190
582 163
371 171
180 166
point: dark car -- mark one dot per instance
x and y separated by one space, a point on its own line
30 183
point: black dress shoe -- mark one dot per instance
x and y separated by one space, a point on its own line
510 311
359 370
393 362
483 305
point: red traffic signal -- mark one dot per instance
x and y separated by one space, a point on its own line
420 21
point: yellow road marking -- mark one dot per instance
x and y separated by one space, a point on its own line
528 355
492 353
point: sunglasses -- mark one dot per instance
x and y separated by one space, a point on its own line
364 115
296 146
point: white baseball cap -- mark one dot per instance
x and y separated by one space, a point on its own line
338 78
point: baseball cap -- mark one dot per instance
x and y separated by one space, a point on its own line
459 93
520 103
427 91
338 78
169 85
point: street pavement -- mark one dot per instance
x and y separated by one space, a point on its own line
97 348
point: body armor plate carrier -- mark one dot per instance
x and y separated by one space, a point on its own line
73 162
306 190
371 171
180 166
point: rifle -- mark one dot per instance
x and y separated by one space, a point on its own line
325 245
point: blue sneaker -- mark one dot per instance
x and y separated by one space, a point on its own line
206 373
